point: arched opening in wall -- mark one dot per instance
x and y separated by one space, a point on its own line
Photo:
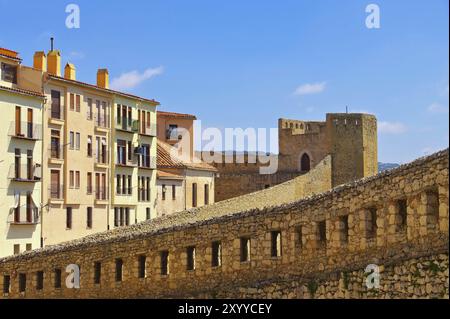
305 163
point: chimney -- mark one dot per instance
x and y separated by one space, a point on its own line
54 62
40 61
103 78
70 72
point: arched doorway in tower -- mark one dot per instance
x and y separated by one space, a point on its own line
305 163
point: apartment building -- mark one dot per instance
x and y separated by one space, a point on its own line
21 104
93 135
184 181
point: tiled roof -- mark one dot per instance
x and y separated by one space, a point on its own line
168 175
22 91
165 160
10 54
177 115
102 89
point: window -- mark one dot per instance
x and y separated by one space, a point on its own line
71 179
194 195
119 268
89 183
147 211
402 213
89 111
142 266
163 191
124 184
130 185
57 278
17 164
89 146
116 216
89 217
174 194
97 273
69 217
77 141
78 103
343 228
130 150
56 105
127 216
77 179
72 102
6 284
322 234
16 249
71 140
121 152
164 263
275 244
22 282
29 247
172 132
40 280
245 249
216 254
119 107
9 73
206 194
190 262
372 222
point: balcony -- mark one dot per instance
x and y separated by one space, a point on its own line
149 130
56 154
101 122
56 192
126 125
25 131
24 216
101 195
56 116
101 159
147 162
25 173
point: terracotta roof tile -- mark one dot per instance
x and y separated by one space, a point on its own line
177 115
22 91
10 54
165 160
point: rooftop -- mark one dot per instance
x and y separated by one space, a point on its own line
177 115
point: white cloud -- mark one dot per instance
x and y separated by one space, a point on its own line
130 80
310 88
392 127
76 55
437 108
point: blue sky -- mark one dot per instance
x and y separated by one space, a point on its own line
248 63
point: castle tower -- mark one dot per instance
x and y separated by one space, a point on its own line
353 146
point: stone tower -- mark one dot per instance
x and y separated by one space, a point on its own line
353 146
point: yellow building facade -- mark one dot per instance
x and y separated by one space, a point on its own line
88 136
21 160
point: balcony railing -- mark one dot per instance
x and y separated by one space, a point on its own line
56 152
101 157
56 191
57 114
149 130
127 191
147 161
101 193
101 121
25 130
125 124
25 173
24 216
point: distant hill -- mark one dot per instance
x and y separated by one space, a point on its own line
386 166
